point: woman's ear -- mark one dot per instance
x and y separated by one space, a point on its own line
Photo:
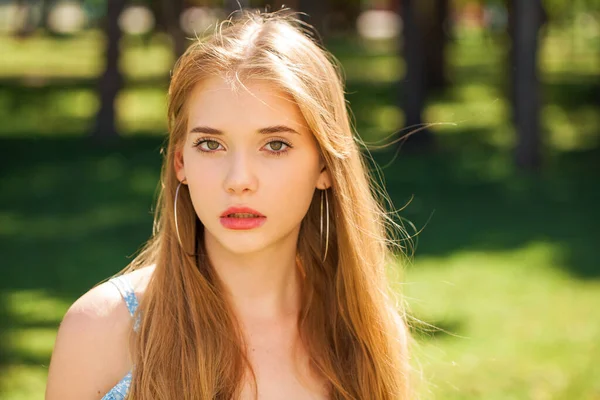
324 180
178 164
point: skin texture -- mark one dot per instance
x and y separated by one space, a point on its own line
238 169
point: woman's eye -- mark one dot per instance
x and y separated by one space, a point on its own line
209 145
276 145
212 145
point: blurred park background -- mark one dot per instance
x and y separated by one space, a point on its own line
503 185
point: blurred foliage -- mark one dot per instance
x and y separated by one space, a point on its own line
559 11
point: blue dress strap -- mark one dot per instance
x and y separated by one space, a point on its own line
120 390
121 282
124 286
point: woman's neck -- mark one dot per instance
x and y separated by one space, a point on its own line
262 286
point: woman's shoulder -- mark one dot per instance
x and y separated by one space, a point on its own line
102 308
91 352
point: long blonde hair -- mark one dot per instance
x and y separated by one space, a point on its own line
190 346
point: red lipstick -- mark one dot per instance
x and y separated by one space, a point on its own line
242 218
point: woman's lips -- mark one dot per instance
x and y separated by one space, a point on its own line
240 210
244 223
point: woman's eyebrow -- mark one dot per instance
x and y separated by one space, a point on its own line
206 129
277 129
263 131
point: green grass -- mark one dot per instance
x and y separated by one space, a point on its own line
506 265
521 327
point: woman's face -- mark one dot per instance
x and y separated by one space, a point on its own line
248 148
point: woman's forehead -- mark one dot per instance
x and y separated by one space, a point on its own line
217 101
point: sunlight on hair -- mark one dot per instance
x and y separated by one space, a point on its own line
354 324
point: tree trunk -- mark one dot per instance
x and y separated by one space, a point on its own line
46 7
235 5
435 43
278 4
26 23
526 23
171 11
111 80
415 85
317 11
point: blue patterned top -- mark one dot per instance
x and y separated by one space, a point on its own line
119 391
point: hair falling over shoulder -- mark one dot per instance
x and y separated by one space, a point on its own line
351 322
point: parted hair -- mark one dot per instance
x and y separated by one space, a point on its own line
190 345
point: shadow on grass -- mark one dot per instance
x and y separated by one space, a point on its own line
71 214
463 204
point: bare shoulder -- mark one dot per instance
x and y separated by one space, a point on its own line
91 352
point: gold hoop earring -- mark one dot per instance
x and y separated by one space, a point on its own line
324 194
175 212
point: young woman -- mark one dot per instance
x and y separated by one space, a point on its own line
265 276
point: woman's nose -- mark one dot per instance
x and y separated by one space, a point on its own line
240 176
